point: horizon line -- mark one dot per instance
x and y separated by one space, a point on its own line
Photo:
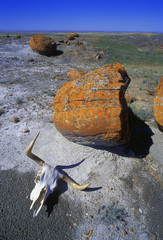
80 31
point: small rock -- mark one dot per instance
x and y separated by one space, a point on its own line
79 43
152 236
61 41
155 165
1 111
26 130
15 58
18 36
99 56
124 231
95 201
16 119
10 94
58 43
31 60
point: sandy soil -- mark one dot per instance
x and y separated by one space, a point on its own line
125 197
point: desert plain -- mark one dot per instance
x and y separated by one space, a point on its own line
124 200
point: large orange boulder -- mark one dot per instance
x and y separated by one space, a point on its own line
74 34
92 108
43 45
158 104
75 73
70 37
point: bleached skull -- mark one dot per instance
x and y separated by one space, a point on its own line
46 181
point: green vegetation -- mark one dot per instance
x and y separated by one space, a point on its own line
149 76
19 101
128 54
139 53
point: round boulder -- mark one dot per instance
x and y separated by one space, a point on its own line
18 36
74 35
70 37
43 45
92 108
158 105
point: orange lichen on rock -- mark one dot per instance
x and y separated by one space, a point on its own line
160 46
70 37
74 35
75 73
158 104
92 109
44 45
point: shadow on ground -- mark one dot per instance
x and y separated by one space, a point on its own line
16 221
62 187
140 141
147 196
141 136
58 53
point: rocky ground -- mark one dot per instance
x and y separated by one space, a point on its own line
125 197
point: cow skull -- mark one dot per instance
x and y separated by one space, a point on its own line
46 180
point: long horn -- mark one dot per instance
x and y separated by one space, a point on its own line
73 183
31 155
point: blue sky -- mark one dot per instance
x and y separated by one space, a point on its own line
84 15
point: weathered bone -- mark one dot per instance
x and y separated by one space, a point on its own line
46 180
31 155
